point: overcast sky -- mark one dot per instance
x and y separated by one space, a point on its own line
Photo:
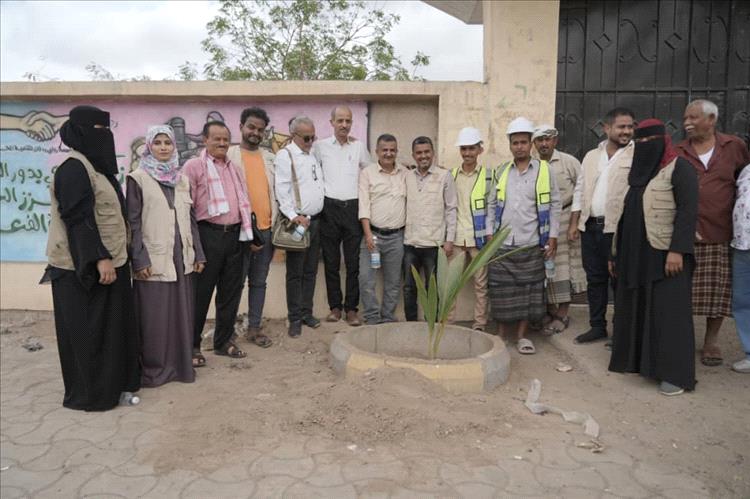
130 38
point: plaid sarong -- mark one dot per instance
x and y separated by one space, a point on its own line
712 280
516 286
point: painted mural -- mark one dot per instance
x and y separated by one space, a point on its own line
31 149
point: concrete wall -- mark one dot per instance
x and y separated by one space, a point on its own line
520 50
404 120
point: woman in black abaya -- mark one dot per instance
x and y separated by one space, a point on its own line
653 326
91 290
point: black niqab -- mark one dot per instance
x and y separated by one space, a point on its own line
646 158
638 263
97 144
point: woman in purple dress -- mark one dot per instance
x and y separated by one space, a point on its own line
166 250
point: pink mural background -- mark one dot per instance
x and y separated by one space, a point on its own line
30 148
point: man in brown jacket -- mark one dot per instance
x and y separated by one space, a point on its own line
716 158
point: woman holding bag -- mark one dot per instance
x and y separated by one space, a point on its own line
166 250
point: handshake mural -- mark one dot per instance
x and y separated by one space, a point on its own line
38 125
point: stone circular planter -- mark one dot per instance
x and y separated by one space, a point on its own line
468 360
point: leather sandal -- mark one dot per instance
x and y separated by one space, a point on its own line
231 350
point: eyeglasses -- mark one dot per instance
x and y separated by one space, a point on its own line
306 138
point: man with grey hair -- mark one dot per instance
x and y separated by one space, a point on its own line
568 278
341 156
716 158
299 192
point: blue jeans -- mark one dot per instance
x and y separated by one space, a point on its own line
741 296
259 262
391 248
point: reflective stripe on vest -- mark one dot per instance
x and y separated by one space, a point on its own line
478 204
543 198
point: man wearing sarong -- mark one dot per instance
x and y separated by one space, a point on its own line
653 326
568 278
716 158
529 203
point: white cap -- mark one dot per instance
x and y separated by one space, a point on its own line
544 131
468 136
520 125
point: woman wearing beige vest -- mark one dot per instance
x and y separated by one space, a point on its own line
88 268
166 250
653 324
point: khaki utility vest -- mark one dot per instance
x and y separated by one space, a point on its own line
659 208
157 226
425 209
113 230
617 186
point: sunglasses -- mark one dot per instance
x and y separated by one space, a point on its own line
306 138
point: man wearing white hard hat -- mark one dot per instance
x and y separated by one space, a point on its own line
529 204
567 276
475 215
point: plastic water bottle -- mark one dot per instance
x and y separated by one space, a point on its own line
375 254
299 232
549 268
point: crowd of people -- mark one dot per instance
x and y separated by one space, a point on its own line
133 275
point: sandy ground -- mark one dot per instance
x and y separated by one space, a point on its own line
289 391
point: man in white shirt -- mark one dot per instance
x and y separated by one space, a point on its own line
597 205
301 266
341 157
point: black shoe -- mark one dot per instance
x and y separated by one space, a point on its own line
608 345
295 329
311 321
593 334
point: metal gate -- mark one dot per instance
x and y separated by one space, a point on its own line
653 57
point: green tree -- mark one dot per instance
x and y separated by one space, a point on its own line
304 40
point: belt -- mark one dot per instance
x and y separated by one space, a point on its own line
344 204
221 227
385 232
595 221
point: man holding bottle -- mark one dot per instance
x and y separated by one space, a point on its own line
382 213
296 165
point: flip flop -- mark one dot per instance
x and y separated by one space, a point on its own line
711 357
525 347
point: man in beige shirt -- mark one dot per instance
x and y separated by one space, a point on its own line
430 219
476 195
382 213
568 277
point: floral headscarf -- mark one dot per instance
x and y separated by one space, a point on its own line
167 173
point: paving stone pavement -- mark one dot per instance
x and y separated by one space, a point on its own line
49 451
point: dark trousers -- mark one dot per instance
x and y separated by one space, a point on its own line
424 260
595 249
341 227
301 270
225 258
259 262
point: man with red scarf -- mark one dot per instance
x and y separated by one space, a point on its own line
653 261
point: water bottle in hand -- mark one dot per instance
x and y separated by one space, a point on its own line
549 268
375 254
299 232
